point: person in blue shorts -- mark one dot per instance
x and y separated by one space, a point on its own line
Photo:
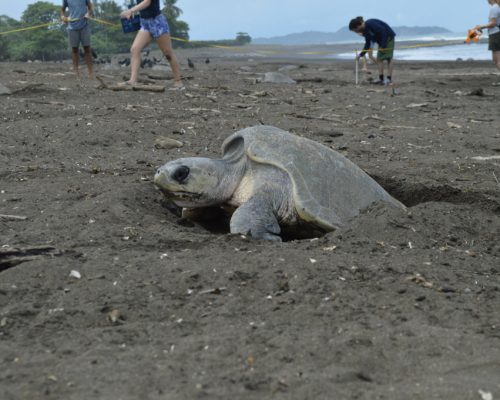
377 31
79 12
154 26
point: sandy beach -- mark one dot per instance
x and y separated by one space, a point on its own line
107 293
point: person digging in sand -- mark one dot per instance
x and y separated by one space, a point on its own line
153 26
377 31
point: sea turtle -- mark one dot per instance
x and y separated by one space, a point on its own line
273 179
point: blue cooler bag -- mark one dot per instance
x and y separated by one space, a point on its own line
131 25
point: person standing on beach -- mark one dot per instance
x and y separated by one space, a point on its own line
493 30
377 31
153 26
79 31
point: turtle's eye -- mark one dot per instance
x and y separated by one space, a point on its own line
181 174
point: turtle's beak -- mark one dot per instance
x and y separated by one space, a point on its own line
171 176
161 178
170 182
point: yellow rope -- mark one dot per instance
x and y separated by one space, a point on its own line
233 48
101 21
27 29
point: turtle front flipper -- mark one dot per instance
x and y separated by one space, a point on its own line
256 218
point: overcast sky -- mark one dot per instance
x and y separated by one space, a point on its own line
219 19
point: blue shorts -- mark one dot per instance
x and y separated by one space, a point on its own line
156 26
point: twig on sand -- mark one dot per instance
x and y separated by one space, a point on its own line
389 127
27 87
137 86
13 217
50 102
321 118
494 176
10 256
487 158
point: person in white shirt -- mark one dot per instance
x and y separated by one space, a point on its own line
493 27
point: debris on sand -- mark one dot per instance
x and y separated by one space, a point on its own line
420 280
12 256
276 77
123 87
452 125
285 68
417 105
75 274
115 317
487 158
167 143
477 92
8 217
218 290
485 395
4 90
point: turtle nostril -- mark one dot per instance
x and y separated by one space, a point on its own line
181 174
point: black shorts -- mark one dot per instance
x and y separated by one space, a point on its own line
494 42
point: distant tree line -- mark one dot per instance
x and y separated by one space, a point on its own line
50 42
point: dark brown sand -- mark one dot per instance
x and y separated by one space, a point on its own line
395 306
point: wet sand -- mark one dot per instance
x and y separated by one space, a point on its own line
394 306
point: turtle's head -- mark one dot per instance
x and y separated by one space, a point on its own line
194 182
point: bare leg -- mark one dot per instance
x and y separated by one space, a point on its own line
364 63
165 44
88 60
142 39
75 57
496 59
390 67
380 64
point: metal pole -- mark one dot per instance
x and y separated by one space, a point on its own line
357 68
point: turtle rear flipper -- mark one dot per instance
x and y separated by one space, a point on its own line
256 218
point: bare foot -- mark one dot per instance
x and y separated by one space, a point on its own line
178 85
127 83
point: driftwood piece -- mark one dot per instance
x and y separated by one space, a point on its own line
123 88
7 217
27 88
12 256
6 91
49 102
141 80
165 77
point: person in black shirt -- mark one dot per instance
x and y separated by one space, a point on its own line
153 26
377 31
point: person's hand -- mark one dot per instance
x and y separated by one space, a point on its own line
64 19
87 15
126 14
478 28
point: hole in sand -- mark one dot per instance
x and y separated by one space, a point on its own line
412 194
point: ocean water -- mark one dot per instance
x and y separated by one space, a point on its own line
476 51
452 52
